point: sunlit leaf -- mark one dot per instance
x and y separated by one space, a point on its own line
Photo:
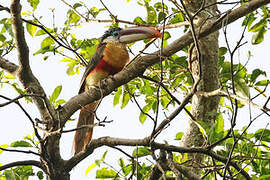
4 146
55 94
263 135
242 88
47 42
117 95
258 37
179 136
222 51
139 20
20 144
89 168
256 73
33 3
143 115
105 173
2 38
31 29
141 151
258 26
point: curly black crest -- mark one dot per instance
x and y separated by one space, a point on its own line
110 32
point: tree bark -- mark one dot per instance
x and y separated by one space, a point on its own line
203 62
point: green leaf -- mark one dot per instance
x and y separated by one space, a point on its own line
256 73
89 168
121 163
161 7
55 94
139 20
73 18
262 83
76 5
179 136
104 156
241 87
105 173
33 3
166 35
42 32
264 177
141 152
222 51
263 135
95 11
20 144
59 102
2 38
258 37
8 28
145 109
177 18
4 146
219 124
258 26
117 96
151 15
48 41
124 99
161 16
9 76
31 29
40 175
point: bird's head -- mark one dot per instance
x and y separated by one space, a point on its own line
129 35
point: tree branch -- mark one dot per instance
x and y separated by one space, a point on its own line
109 141
24 73
8 66
22 163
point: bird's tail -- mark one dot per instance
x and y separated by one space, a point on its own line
84 135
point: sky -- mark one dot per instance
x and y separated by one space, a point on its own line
51 73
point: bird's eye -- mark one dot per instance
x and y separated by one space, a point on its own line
115 33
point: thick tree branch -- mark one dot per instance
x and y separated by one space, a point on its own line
22 163
8 66
24 72
108 141
139 65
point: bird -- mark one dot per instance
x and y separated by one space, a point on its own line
110 58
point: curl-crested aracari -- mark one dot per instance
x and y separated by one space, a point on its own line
111 57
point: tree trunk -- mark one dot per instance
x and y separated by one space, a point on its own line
202 108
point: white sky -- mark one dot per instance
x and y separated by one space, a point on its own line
126 124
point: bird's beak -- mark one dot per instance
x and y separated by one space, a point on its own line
134 34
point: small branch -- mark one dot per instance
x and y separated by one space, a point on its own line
220 92
19 151
22 163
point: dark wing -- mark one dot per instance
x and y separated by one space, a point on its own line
91 65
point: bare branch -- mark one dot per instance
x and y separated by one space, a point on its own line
220 92
24 73
22 163
19 151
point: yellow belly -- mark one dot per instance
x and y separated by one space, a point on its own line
116 55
